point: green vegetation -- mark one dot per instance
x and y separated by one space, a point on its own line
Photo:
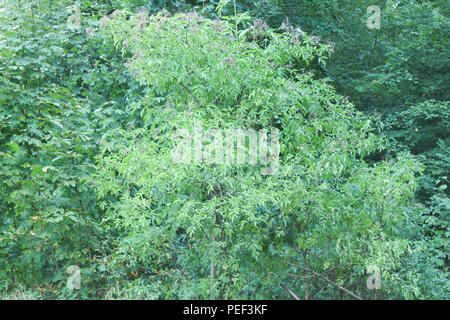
91 98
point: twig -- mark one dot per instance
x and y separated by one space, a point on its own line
297 276
289 291
306 279
326 279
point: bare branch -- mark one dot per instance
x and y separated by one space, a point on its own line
289 291
297 276
326 279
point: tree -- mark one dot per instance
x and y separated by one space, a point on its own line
224 230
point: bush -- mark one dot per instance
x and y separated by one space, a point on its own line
226 231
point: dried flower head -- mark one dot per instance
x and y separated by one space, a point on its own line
229 61
217 26
142 18
115 14
259 30
315 39
332 45
104 21
90 32
260 24
285 26
193 16
164 13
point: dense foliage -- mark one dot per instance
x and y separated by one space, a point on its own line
60 89
93 94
